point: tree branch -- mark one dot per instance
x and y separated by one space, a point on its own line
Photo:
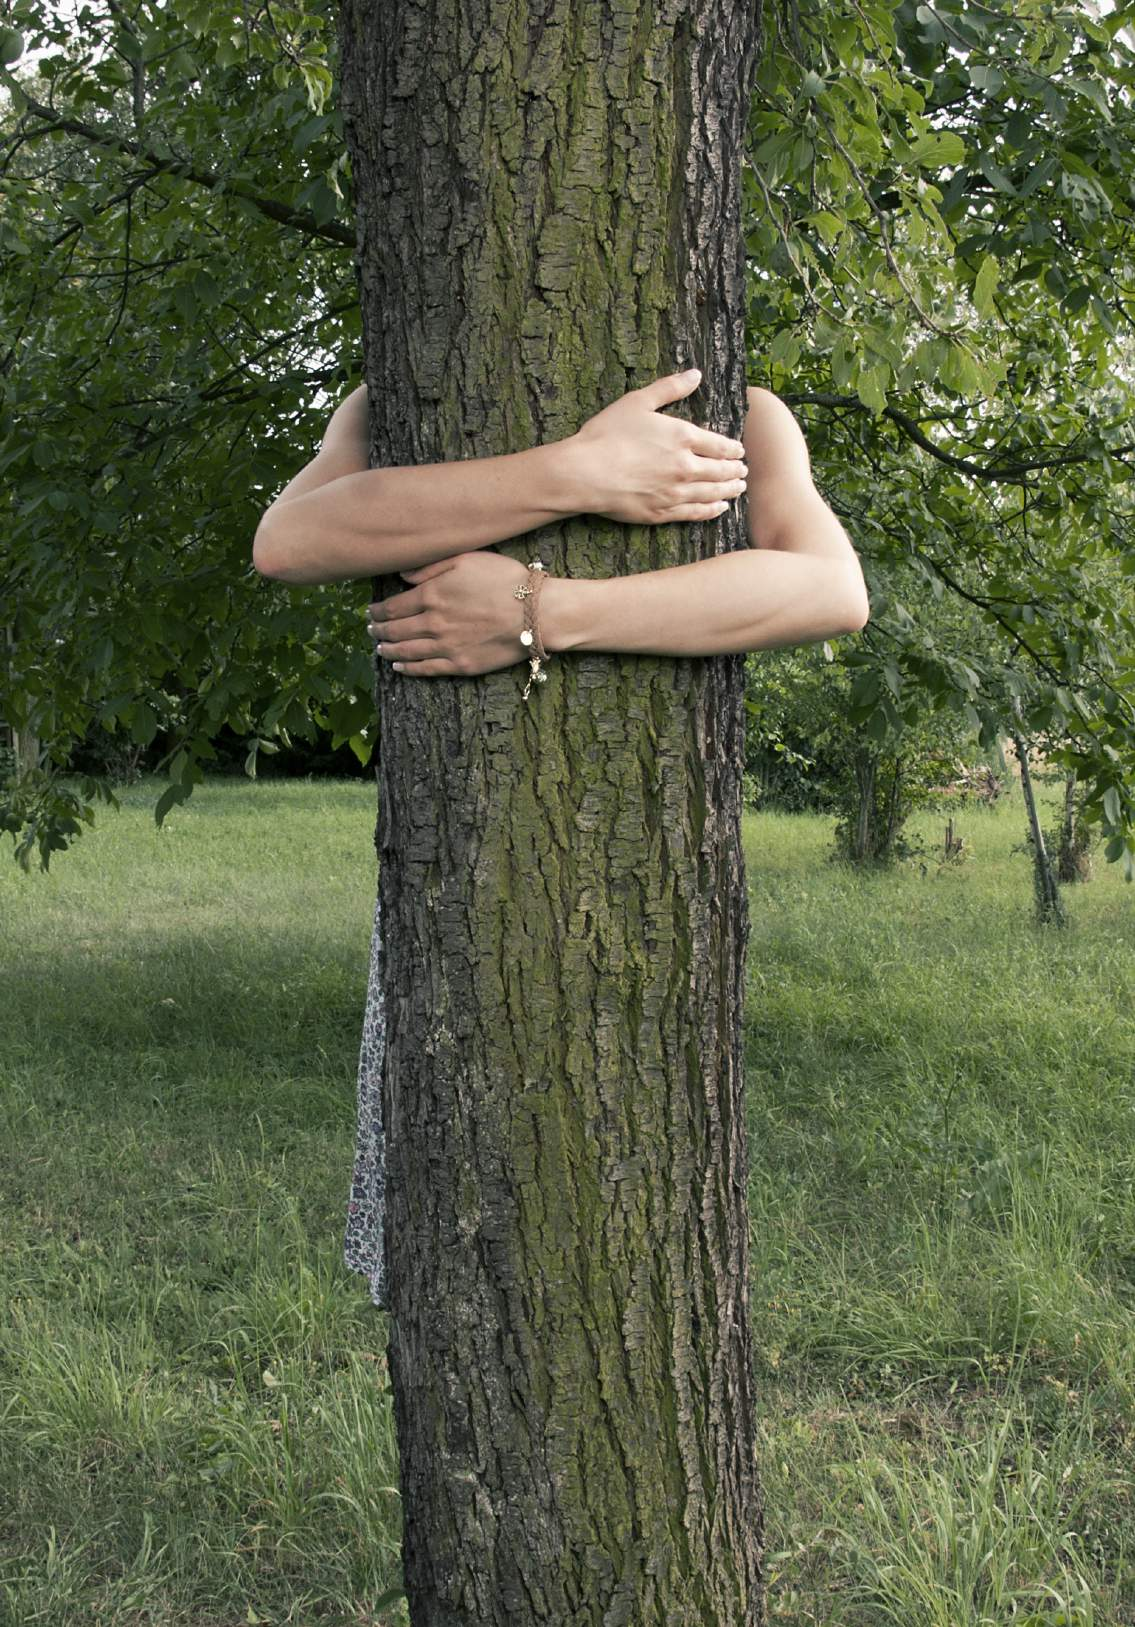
301 220
1012 471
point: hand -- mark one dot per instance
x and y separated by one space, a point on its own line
458 619
635 465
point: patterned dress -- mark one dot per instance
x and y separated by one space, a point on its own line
363 1243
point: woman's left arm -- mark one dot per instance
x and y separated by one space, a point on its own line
800 581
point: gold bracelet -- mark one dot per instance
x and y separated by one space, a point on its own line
529 592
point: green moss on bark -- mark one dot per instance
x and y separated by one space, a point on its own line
550 209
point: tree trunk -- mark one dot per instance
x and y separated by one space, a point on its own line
27 749
1046 891
1074 855
865 765
549 215
891 814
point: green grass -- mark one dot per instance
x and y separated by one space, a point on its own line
195 1423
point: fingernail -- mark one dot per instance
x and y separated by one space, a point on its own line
693 372
396 666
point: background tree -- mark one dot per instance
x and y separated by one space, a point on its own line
556 202
940 253
177 298
807 747
937 213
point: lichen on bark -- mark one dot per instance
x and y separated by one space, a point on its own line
549 215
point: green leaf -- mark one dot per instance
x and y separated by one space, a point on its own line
185 301
959 371
131 491
317 83
988 79
144 726
870 387
785 349
937 149
170 798
985 284
995 175
1095 93
876 727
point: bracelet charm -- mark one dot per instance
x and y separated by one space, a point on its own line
529 592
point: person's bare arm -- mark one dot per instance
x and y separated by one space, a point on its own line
799 582
338 520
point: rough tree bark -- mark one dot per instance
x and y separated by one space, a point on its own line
549 215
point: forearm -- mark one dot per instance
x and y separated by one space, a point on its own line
374 522
759 598
799 583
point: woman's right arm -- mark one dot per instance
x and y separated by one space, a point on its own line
338 520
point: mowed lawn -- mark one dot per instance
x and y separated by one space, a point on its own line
195 1425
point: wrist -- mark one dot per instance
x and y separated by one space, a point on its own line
566 485
565 621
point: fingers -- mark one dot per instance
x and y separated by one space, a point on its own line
707 443
705 492
409 649
671 388
424 572
401 628
724 470
697 511
398 604
428 669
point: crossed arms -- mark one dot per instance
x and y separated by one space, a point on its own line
799 581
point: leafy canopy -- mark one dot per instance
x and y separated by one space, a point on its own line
938 222
939 242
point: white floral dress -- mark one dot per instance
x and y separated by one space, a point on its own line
363 1243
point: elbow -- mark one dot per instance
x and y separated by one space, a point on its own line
858 612
266 558
860 615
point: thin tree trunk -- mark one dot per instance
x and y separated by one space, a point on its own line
1073 858
27 749
1065 857
1045 886
549 215
865 764
890 826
